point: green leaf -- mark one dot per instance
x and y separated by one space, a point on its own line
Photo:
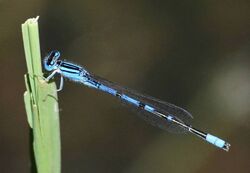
41 104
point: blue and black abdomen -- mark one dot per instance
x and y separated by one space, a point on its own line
147 107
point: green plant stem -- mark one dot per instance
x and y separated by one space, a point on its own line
41 104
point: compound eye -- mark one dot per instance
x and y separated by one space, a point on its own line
53 57
56 54
51 60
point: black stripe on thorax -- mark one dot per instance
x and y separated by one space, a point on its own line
71 66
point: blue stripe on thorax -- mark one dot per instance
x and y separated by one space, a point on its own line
70 70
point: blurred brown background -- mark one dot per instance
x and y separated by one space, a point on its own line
195 54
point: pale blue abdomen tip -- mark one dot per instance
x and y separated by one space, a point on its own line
215 140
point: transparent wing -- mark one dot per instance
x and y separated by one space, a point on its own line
163 107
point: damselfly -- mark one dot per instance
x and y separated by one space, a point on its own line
158 113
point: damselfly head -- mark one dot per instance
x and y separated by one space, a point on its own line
50 61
